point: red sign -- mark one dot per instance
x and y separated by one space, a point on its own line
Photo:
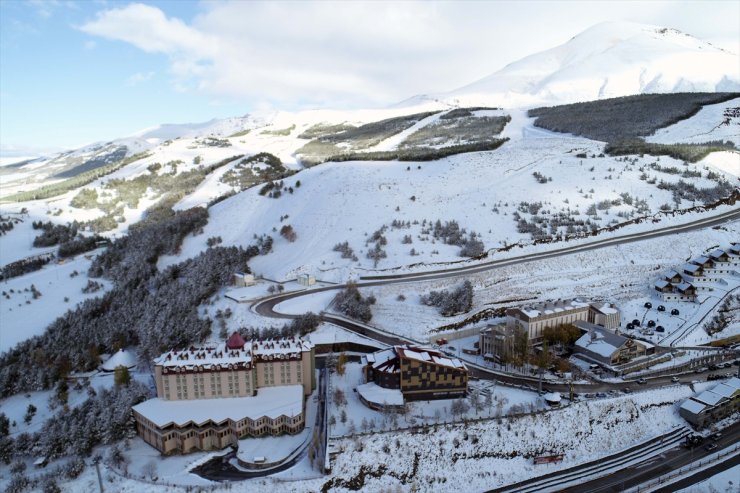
547 459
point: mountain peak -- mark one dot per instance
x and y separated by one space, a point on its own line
609 59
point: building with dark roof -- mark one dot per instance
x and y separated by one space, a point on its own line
713 404
606 347
418 373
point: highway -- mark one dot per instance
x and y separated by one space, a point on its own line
654 467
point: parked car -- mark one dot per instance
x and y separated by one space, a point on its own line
648 304
659 328
627 390
661 308
711 446
641 381
674 379
601 394
693 440
714 376
674 311
715 436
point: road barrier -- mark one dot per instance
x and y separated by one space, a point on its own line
672 476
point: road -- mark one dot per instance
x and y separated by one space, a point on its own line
266 305
674 458
667 462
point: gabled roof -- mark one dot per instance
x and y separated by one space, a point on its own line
726 391
692 268
603 342
708 397
121 358
693 406
684 286
717 254
388 360
671 274
662 284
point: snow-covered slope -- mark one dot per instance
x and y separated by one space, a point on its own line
713 122
607 60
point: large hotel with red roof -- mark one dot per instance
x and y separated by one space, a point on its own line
260 387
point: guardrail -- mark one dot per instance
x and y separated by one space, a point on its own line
668 478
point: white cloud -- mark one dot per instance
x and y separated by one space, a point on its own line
365 53
138 78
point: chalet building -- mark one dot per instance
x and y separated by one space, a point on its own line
713 404
682 291
606 347
418 373
536 318
674 277
210 396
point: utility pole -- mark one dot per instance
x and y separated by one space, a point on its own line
96 461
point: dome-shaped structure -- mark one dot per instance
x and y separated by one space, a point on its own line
121 358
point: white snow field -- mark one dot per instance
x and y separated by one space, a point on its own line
499 195
713 122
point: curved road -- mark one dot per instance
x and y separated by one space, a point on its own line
266 306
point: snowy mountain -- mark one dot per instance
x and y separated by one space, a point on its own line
607 60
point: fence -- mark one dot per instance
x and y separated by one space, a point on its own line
667 478
454 335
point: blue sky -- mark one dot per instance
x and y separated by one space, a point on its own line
73 72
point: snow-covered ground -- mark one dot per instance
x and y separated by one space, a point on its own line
22 316
713 122
460 457
622 274
359 418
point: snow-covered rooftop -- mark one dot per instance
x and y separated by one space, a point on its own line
380 395
548 308
693 406
709 397
221 355
598 340
121 358
270 401
662 283
605 308
724 390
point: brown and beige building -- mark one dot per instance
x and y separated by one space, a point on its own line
211 396
418 373
536 318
